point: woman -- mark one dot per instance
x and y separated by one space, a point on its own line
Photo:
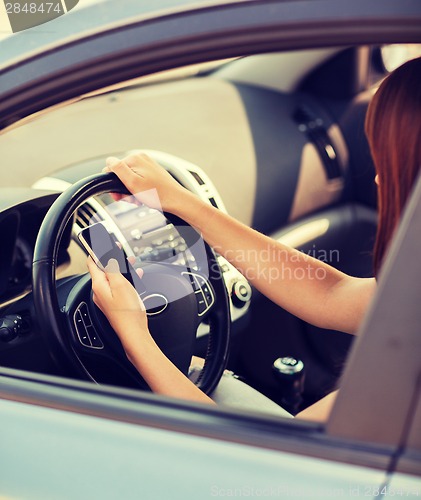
338 301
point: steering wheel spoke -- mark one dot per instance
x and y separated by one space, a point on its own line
85 330
80 320
203 291
91 338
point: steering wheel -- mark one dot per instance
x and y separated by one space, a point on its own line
177 300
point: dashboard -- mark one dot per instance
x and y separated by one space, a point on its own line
20 221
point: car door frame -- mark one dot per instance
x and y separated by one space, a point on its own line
135 47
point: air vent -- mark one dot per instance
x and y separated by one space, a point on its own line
197 177
213 202
86 216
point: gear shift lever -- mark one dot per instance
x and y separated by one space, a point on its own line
290 374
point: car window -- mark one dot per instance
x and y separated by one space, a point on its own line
397 54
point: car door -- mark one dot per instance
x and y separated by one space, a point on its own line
281 454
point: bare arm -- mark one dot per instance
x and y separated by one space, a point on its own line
319 411
120 302
303 285
308 288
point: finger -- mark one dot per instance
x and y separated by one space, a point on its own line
99 280
111 160
112 266
92 267
138 159
142 305
134 261
94 270
106 169
125 174
115 278
116 196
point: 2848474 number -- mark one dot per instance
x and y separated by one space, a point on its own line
33 8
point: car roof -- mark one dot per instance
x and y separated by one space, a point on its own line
107 14
97 15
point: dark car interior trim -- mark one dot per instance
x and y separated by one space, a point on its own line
138 49
125 405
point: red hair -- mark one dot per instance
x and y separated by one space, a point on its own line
393 128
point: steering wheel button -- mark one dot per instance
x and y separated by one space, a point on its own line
192 281
95 340
85 340
81 330
83 309
201 282
209 298
202 306
79 321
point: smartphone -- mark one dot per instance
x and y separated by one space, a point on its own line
102 247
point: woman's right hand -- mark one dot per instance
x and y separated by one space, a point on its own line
125 311
150 183
122 306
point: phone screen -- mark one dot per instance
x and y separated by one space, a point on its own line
102 247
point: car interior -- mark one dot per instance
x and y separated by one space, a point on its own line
275 140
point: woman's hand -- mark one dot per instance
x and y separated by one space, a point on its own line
121 304
147 181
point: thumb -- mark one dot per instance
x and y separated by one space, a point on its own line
123 172
112 272
111 160
112 266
